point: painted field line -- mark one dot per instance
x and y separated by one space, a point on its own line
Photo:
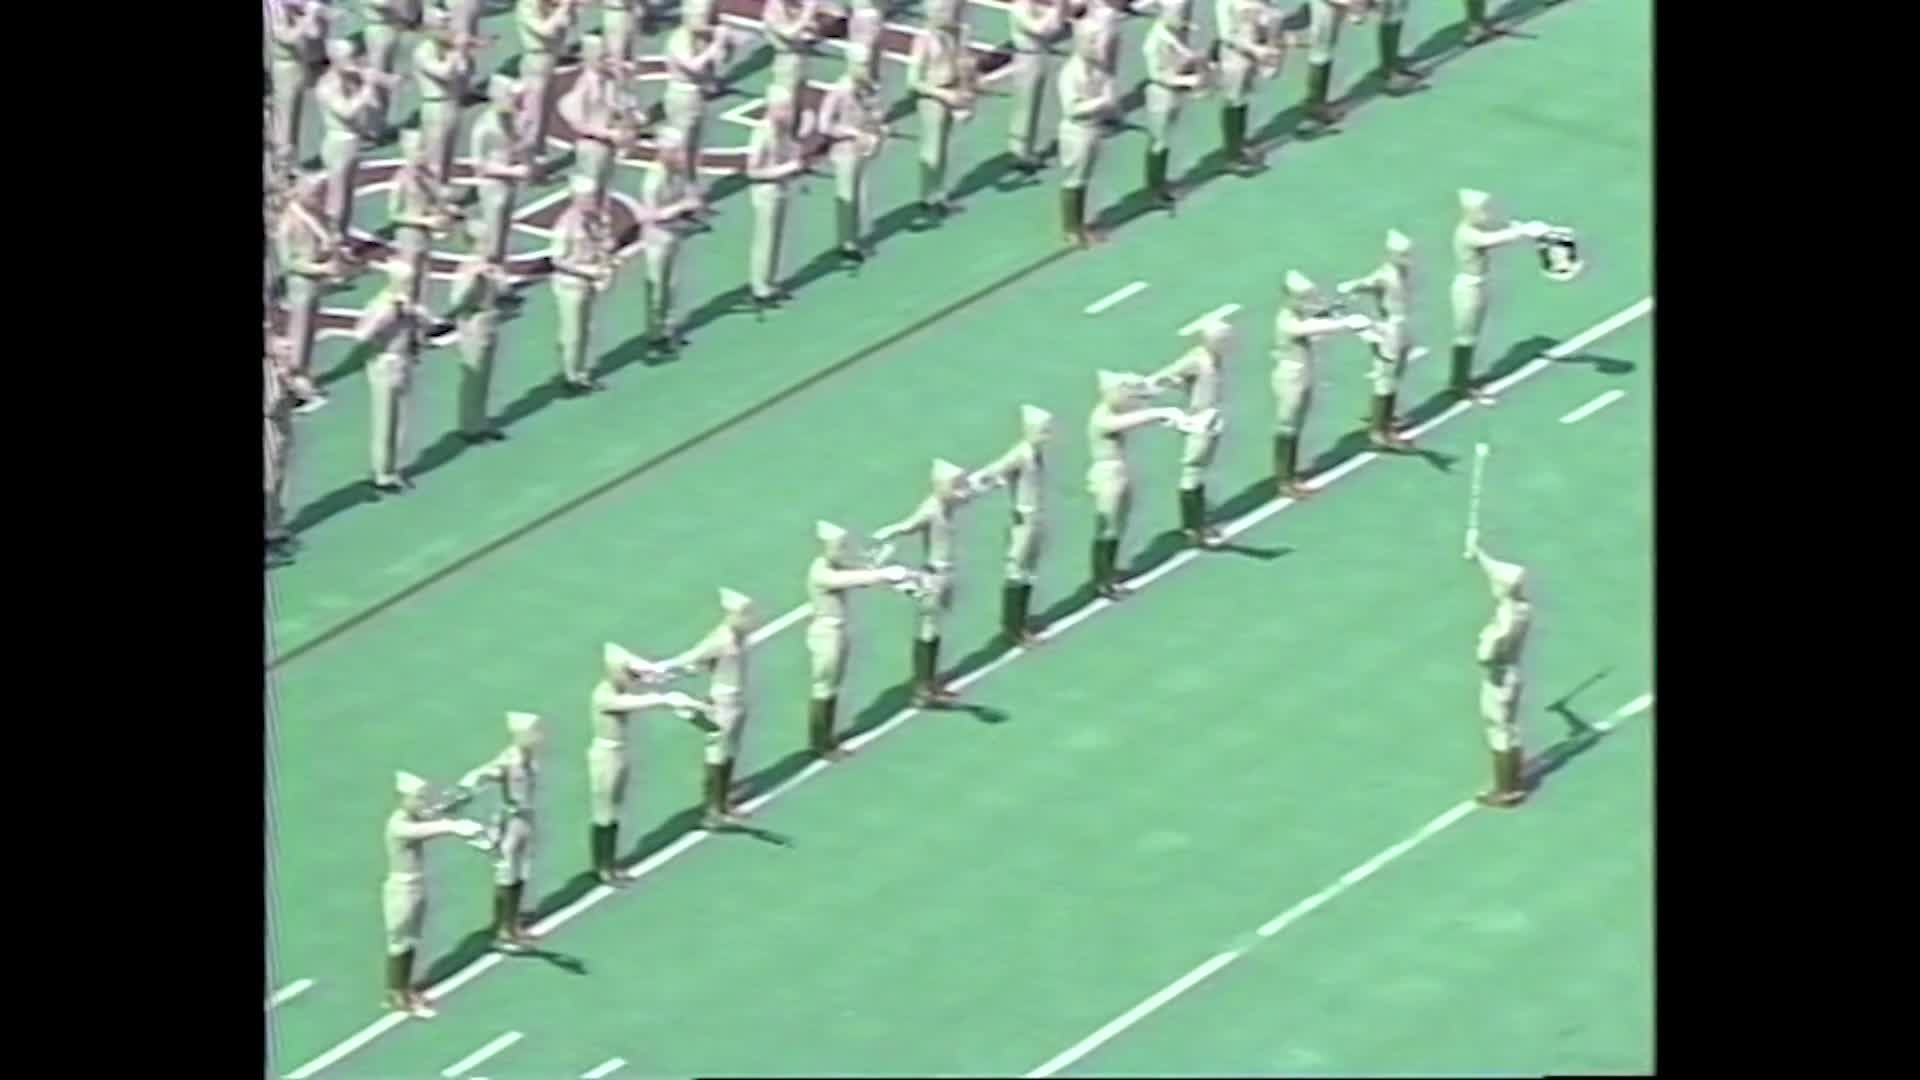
1114 297
481 1054
1287 918
288 992
603 1068
1224 311
690 840
1593 406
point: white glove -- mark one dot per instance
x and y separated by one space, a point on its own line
1346 288
467 830
1535 230
1356 322
896 575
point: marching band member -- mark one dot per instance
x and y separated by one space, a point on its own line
442 64
393 326
403 896
516 771
694 53
583 266
1324 19
670 199
299 44
1397 75
773 160
866 23
852 117
500 165
1502 642
543 37
348 96
1251 46
282 389
829 577
387 21
1391 287
310 256
1035 26
932 522
936 74
1119 411
480 290
1087 94
1174 70
591 109
1304 316
615 698
619 26
723 655
1022 470
1201 371
414 208
789 28
1474 240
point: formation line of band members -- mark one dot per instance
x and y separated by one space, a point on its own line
1201 375
351 78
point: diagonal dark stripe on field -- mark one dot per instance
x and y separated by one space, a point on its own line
1439 50
654 462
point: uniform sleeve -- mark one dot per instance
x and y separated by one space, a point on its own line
1181 370
703 654
491 772
1008 466
1483 239
1294 326
836 578
438 70
915 522
632 702
287 31
833 115
1108 422
426 830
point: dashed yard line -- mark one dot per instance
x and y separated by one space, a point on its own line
481 1055
288 992
690 840
1294 914
1593 406
1115 297
1219 314
603 1069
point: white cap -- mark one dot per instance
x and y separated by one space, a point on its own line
1034 418
580 184
616 660
1398 242
734 603
945 473
1471 199
408 784
1508 578
519 723
1298 284
828 533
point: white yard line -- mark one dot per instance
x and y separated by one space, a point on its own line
691 840
481 1054
1224 311
1115 297
1287 918
1593 406
288 992
603 1068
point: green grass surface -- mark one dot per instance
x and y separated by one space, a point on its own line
972 896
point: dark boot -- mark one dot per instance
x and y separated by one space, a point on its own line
1286 450
1193 517
929 194
1238 155
1230 143
1394 72
726 788
1509 788
926 674
1479 29
1077 200
1460 376
399 972
820 730
1157 177
847 229
1319 81
1069 218
1016 604
1380 424
713 787
1106 569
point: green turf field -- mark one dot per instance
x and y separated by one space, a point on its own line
1045 880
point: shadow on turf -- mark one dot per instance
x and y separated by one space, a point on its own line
1580 737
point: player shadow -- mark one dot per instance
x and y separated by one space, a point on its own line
335 502
1580 737
987 174
903 218
1449 41
479 943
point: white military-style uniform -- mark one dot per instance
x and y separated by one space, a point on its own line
932 522
498 157
853 118
298 46
1295 330
387 22
1174 72
693 68
722 654
590 108
1035 26
865 24
403 895
773 159
620 26
788 26
1022 470
933 73
441 73
1474 240
479 288
608 766
668 197
277 444
583 249
1109 477
1499 651
413 205
1390 287
348 104
1250 46
1201 372
828 626
302 248
516 771
543 37
394 328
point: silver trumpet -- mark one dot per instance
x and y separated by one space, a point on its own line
1560 254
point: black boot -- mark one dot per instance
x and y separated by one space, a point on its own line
1011 622
930 199
1479 30
1157 187
1192 510
726 788
1019 599
399 973
847 230
1319 82
1069 219
1397 76
820 737
1229 137
1460 374
714 801
1106 569
1283 462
